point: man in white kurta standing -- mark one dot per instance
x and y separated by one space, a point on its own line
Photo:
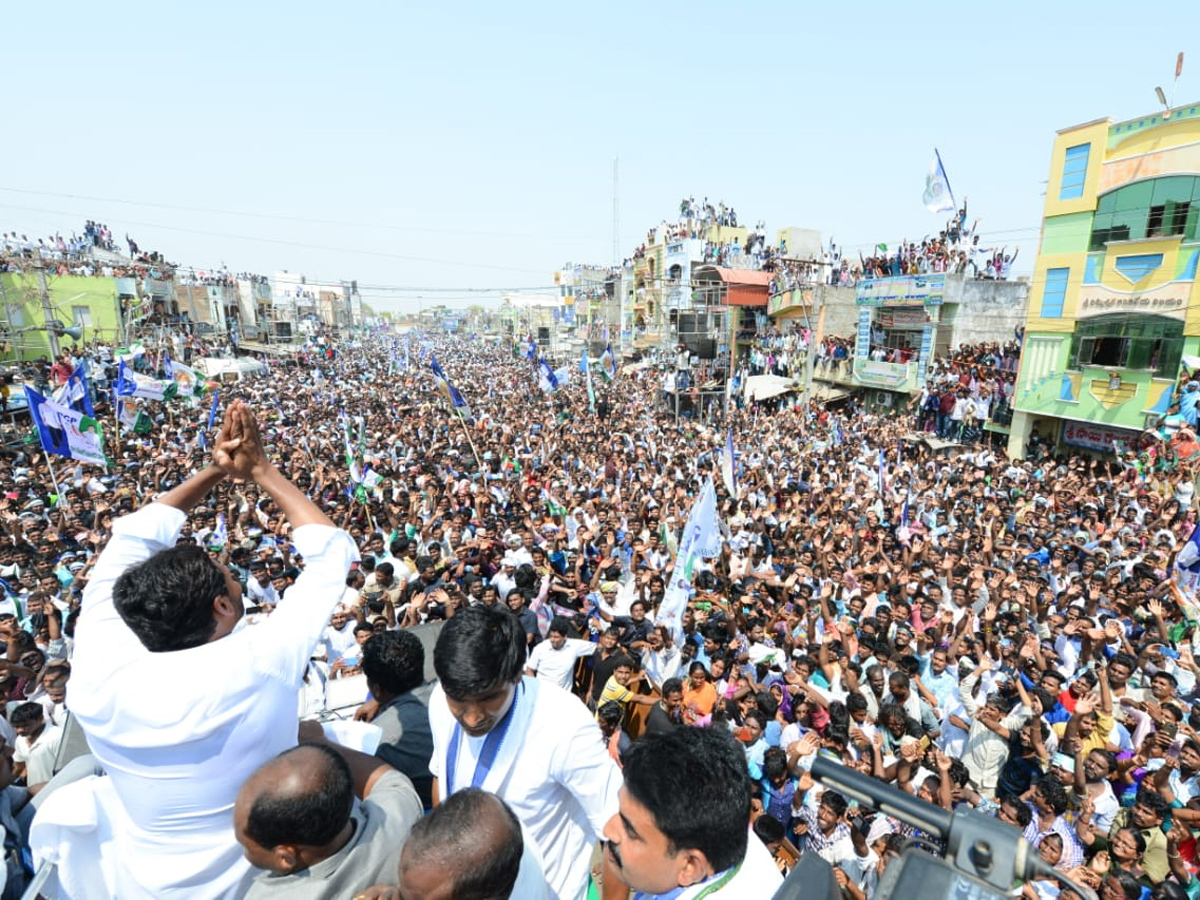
522 738
179 705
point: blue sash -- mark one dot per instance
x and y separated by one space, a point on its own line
491 747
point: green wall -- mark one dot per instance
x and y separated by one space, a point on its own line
20 296
1066 234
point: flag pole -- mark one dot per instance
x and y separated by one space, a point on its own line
467 431
53 477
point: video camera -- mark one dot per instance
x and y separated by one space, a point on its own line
985 858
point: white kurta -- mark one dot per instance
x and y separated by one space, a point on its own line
179 732
552 770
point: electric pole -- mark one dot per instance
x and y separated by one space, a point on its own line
47 311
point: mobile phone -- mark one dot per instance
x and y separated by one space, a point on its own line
1169 730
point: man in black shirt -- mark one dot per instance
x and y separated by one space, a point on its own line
664 715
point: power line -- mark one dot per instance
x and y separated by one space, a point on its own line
298 244
301 219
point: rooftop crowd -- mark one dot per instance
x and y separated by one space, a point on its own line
75 256
1010 634
956 249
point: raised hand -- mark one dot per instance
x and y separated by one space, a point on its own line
238 451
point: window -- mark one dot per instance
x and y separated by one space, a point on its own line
1157 207
1054 294
82 316
1074 172
1131 342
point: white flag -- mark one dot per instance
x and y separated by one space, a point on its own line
938 197
701 537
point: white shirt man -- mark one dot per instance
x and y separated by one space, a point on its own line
38 754
554 659
179 732
503 580
557 778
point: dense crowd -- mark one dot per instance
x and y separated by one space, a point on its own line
1002 633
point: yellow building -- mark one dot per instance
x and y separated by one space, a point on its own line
1114 309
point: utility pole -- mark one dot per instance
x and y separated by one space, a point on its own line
48 312
616 256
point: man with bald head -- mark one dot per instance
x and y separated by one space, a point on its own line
297 817
469 848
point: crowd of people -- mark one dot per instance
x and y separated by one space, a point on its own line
75 255
956 250
1014 635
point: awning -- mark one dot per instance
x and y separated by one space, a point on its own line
827 393
764 387
743 287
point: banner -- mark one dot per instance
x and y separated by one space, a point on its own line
131 384
701 537
65 431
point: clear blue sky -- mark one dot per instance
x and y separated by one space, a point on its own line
471 145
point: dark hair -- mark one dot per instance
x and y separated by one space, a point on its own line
774 763
26 714
1024 814
768 829
1125 660
1110 759
560 625
167 601
834 801
479 648
672 686
394 660
611 713
1152 800
1054 793
1131 887
450 835
695 784
312 819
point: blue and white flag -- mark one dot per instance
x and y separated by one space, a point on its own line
547 380
701 538
212 411
131 384
75 394
586 368
608 363
938 197
729 465
904 531
1189 556
530 349
220 534
66 431
449 391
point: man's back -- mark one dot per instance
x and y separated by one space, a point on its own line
406 743
178 732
